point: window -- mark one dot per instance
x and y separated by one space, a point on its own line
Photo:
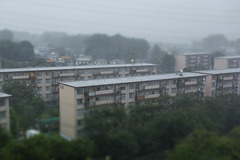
48 96
79 101
39 88
48 81
39 73
39 81
131 86
79 91
131 95
123 96
3 115
106 97
174 90
80 122
90 77
2 102
48 88
48 73
98 99
80 113
137 86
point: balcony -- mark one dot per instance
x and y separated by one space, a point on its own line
104 92
191 83
141 70
152 87
106 72
228 78
20 77
66 74
104 102
152 96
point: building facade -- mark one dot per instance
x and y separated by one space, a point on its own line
77 97
227 62
220 82
4 111
45 79
195 61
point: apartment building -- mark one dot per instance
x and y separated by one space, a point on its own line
45 79
4 111
196 61
79 96
227 62
220 82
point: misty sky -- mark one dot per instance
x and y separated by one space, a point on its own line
156 20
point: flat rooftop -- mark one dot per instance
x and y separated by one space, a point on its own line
220 71
194 53
125 80
3 95
73 67
228 57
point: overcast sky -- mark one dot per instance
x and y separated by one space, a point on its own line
156 20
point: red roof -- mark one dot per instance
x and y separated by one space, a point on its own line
66 57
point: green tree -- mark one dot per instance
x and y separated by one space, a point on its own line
6 35
168 63
215 41
156 52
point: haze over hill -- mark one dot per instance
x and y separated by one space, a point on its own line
166 20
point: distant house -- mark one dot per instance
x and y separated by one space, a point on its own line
100 62
53 56
83 60
51 62
117 61
42 50
64 60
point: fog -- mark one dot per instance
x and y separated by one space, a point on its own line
178 21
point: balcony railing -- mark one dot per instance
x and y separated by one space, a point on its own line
151 87
142 70
66 74
104 102
20 77
104 92
152 96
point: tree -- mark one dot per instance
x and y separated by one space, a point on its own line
156 52
168 63
214 42
6 35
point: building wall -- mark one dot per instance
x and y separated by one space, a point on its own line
4 113
220 63
179 62
194 61
67 111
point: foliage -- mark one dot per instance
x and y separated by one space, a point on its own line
215 41
17 52
117 46
168 63
156 52
6 35
188 127
23 102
